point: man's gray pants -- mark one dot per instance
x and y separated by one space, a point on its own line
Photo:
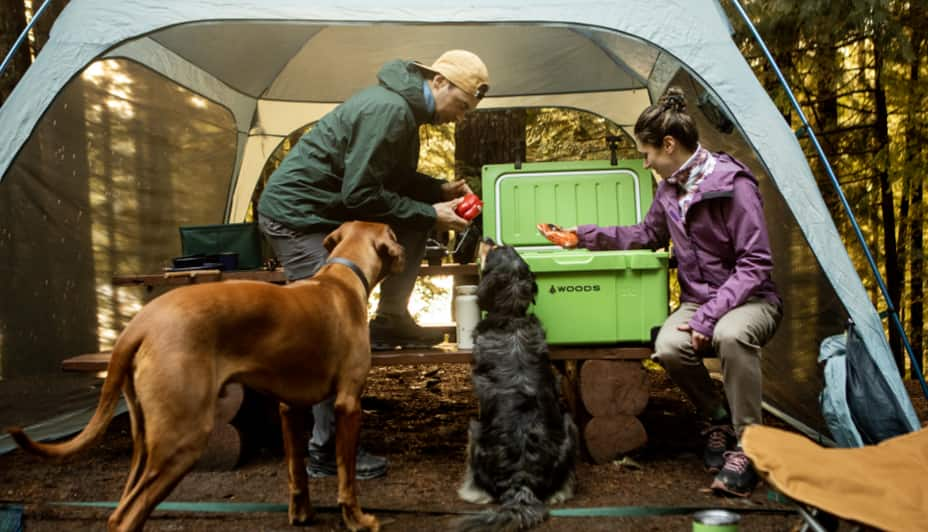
302 254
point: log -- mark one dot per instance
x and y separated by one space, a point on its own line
614 387
223 450
607 438
229 402
570 390
224 447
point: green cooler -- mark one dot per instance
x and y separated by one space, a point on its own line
584 297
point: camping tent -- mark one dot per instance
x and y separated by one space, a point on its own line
139 116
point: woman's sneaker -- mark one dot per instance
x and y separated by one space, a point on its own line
719 440
737 476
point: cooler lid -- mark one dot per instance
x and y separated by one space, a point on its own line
568 194
583 260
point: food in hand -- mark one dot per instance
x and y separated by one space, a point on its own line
559 236
470 207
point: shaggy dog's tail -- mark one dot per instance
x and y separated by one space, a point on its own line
520 510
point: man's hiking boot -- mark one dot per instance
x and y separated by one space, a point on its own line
322 464
389 331
737 476
719 440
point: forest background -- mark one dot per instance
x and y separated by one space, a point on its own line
857 67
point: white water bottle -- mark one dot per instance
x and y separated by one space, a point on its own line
466 315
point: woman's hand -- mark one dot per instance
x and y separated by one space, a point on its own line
566 238
698 340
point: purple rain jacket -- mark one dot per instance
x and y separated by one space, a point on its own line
722 249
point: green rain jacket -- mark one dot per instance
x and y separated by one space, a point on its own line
359 162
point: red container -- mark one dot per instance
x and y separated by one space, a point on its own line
469 207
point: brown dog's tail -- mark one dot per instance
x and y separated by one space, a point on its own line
120 364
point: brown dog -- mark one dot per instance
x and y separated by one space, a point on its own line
299 343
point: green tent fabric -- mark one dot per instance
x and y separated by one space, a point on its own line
57 427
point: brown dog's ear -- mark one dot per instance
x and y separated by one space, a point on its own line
333 238
391 252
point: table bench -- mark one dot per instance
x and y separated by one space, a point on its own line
605 387
441 354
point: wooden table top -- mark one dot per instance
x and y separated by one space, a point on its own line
178 278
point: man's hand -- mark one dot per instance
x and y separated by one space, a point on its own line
445 217
454 189
699 340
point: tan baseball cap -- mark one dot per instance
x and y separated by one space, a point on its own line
462 68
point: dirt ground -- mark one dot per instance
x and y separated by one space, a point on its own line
417 417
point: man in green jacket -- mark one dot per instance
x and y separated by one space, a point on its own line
359 163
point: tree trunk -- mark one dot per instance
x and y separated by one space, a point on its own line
826 113
881 129
914 166
12 23
487 138
917 273
481 138
43 26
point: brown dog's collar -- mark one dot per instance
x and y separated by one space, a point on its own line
354 267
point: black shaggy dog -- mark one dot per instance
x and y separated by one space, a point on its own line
522 449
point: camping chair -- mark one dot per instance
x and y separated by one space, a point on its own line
877 485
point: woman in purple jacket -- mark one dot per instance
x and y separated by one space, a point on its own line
709 206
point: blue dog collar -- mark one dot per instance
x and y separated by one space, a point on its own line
354 267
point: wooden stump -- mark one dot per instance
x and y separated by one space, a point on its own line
614 387
611 436
570 388
224 449
604 396
229 403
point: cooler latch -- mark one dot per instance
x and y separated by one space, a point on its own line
613 141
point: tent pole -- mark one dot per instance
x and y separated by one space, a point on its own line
22 37
807 129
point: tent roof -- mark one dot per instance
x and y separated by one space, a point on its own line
548 53
527 60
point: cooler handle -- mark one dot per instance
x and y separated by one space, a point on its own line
645 262
573 260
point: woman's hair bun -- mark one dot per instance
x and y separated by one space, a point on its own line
673 100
